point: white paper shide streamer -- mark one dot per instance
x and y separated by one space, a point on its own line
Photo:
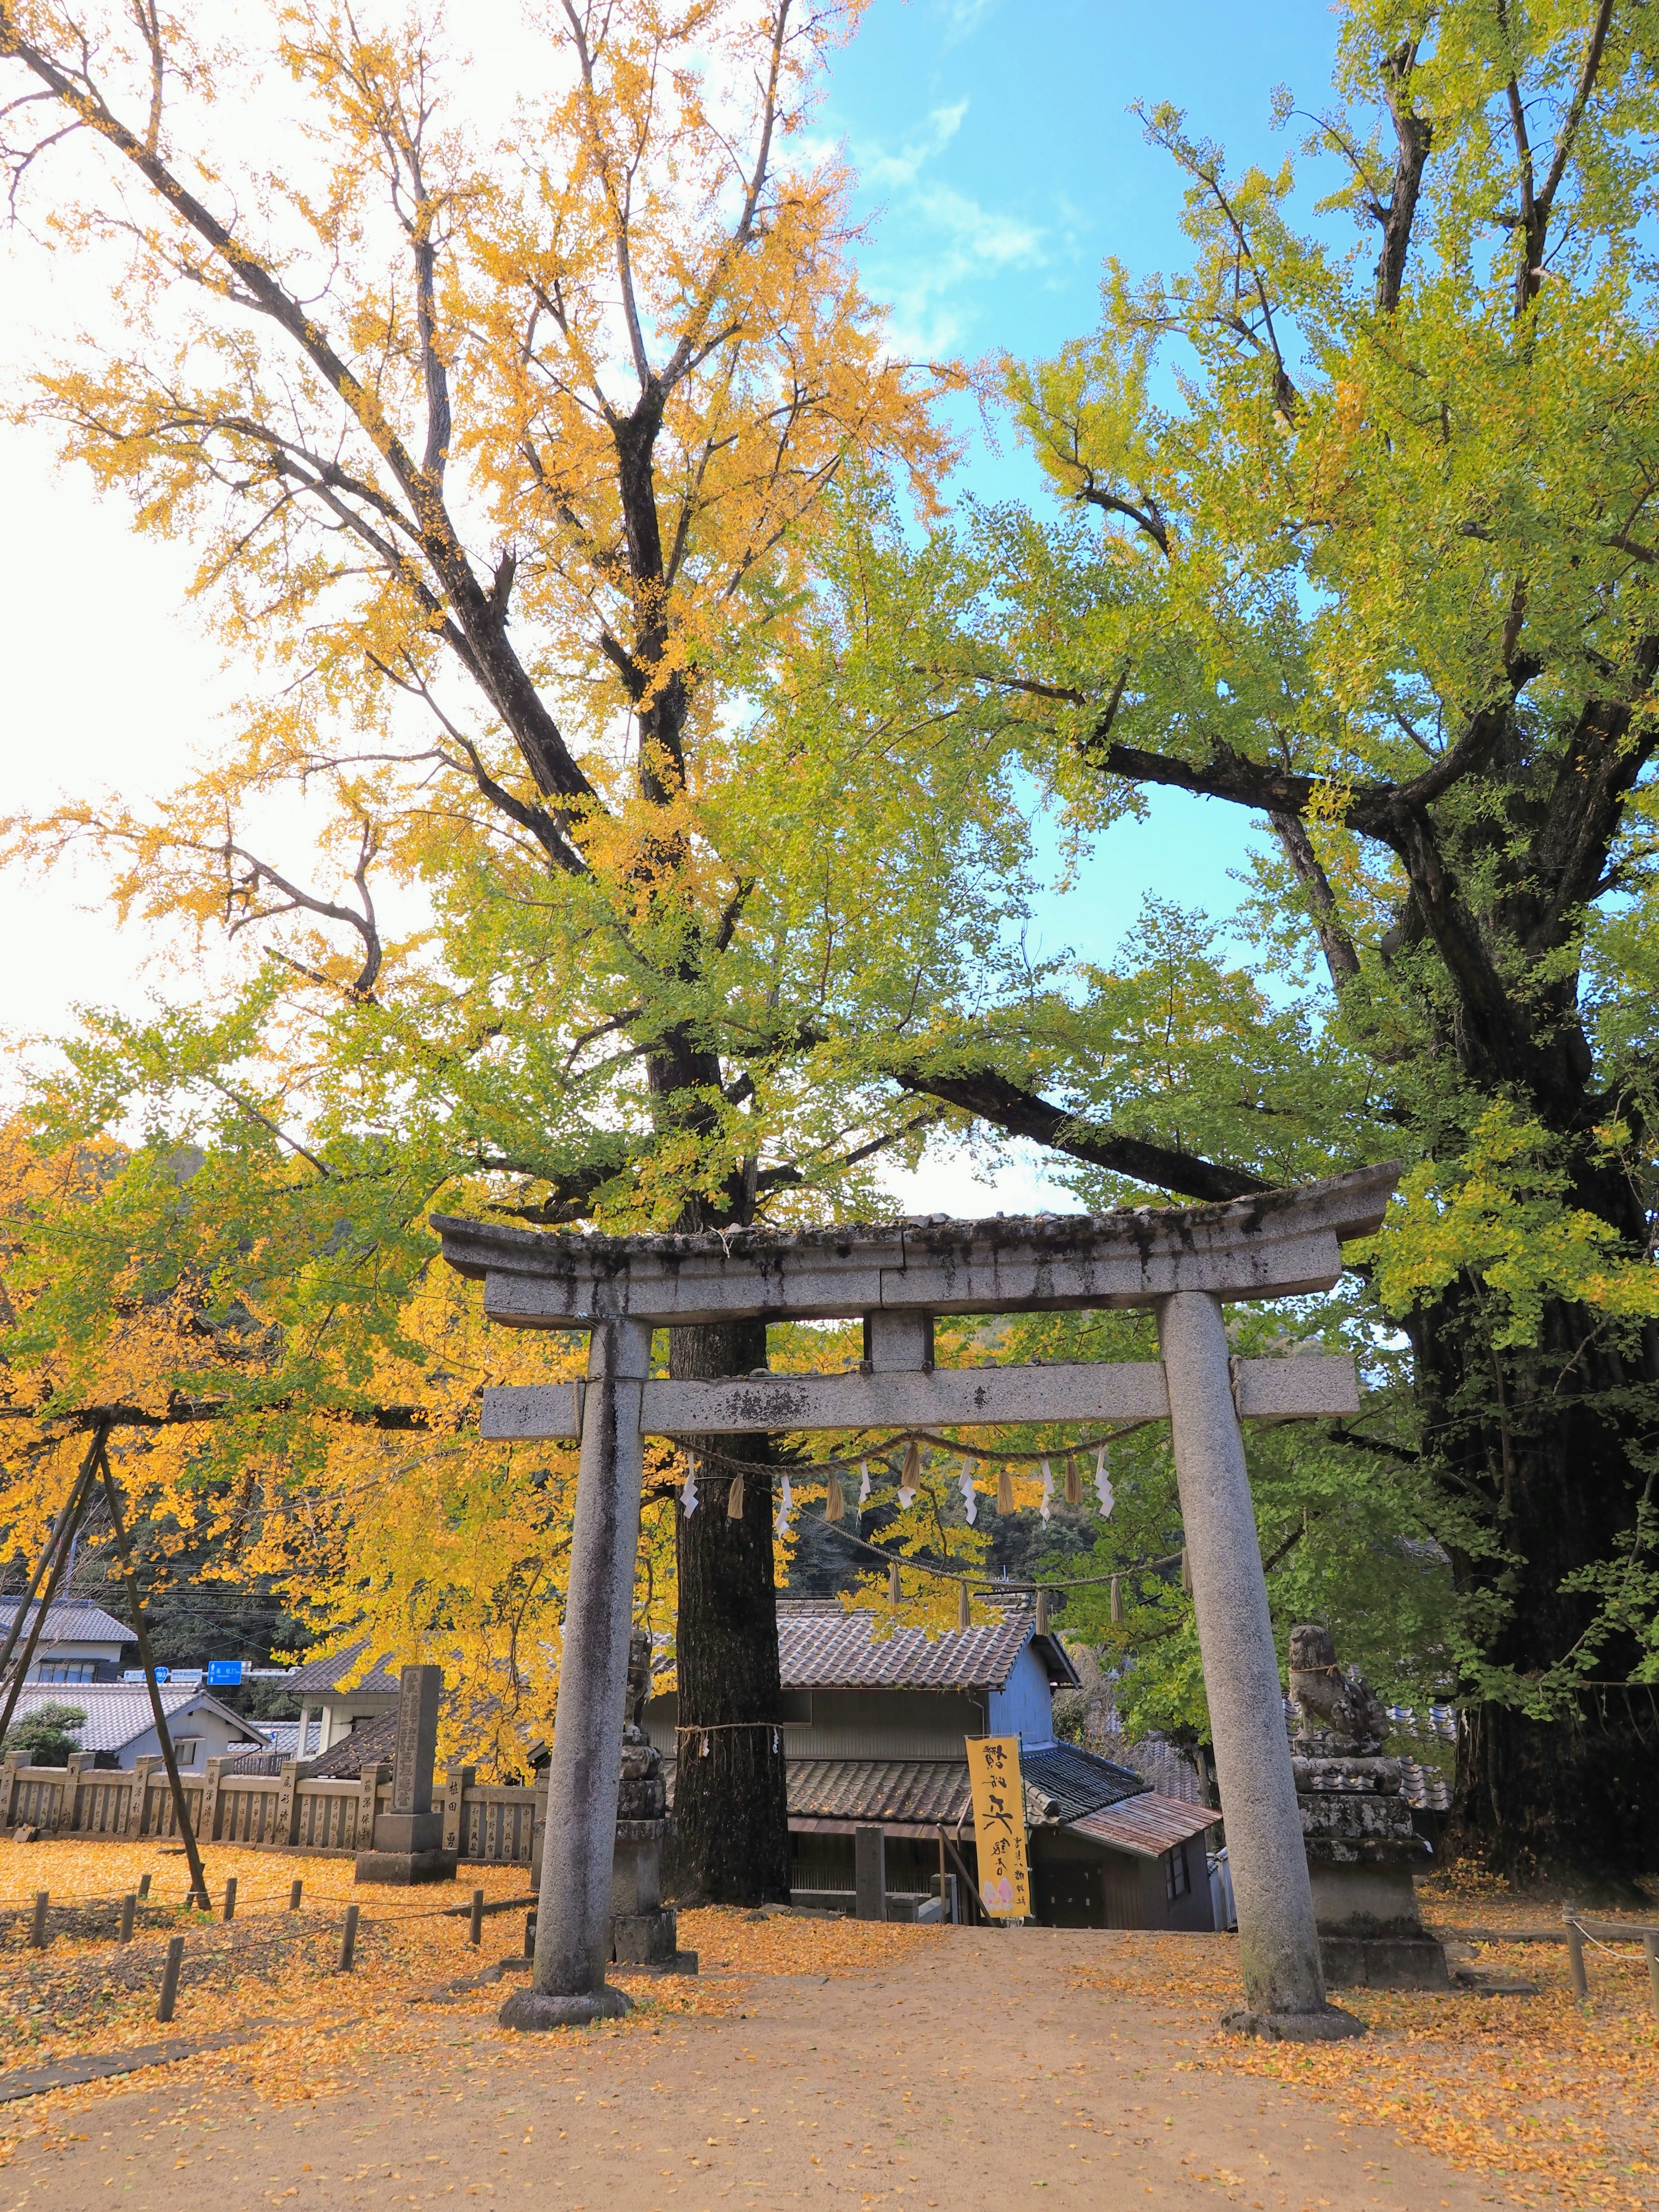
969 1497
689 1489
786 1507
1047 1489
1103 1483
864 1482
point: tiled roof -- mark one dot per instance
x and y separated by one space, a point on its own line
1165 1767
118 1712
333 1667
821 1646
1073 1782
72 1620
1062 1784
372 1741
1148 1824
925 1791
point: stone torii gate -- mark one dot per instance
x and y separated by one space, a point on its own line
1184 1261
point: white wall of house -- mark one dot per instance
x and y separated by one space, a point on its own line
341 1711
204 1726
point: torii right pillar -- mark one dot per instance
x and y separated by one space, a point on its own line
1278 1942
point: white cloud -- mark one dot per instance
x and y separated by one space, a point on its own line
932 242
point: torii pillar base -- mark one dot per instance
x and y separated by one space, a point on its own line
537 2009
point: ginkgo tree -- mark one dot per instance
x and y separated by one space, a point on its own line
507 446
1354 530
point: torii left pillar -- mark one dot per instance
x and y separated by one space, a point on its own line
568 1984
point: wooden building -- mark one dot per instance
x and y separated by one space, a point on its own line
874 1727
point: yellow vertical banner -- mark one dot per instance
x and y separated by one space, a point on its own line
1004 1874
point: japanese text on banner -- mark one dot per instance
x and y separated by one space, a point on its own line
1005 1876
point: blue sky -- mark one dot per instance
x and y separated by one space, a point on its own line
999 165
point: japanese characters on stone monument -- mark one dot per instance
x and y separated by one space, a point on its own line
1182 1261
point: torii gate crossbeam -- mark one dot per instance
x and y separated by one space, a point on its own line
1184 1261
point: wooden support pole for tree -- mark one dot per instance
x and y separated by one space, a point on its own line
199 1890
54 1557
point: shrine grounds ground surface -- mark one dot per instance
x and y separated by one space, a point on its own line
812 2062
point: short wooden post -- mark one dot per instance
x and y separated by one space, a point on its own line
144 1886
475 1924
230 1897
530 1935
170 1977
294 1897
128 1906
1650 1945
1575 1959
38 1927
348 1939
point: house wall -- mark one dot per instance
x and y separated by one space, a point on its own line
1024 1705
1075 1880
104 1659
214 1733
825 1864
341 1712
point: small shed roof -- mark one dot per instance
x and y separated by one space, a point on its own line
1068 1782
119 1712
70 1620
821 1646
1148 1824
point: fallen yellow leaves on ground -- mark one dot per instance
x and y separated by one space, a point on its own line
278 1970
1558 2103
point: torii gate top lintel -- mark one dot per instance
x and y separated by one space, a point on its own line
1274 1244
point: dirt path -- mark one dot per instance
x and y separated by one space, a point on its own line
975 2075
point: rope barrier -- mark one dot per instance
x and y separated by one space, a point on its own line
896 1437
740 1470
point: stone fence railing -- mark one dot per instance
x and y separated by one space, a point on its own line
276 1813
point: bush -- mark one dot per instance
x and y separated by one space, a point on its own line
48 1734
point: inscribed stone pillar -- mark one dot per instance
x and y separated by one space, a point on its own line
1279 1944
573 1919
407 1845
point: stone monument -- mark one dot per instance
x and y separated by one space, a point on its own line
644 1932
408 1843
1356 1825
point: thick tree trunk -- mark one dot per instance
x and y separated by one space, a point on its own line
1538 1442
730 1812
